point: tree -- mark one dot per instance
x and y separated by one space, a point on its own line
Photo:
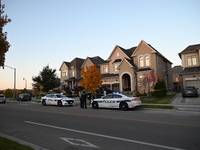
4 44
160 88
147 81
46 79
92 78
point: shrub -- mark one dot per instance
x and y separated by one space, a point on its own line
160 89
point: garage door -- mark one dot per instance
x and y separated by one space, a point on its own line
195 83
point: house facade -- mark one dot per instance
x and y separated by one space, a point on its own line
125 69
190 59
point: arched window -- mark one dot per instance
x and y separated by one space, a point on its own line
146 60
141 61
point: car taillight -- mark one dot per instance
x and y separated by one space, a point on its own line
135 99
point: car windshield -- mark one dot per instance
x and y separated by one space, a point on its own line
1 95
59 96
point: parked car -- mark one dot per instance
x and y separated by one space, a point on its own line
190 91
116 100
24 97
57 99
2 98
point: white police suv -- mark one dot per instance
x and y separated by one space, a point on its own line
116 100
57 99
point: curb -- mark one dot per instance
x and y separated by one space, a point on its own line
34 146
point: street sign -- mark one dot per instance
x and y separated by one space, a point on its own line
41 87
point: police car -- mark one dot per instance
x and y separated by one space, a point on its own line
57 99
116 100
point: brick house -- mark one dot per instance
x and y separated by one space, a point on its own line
125 67
190 58
177 78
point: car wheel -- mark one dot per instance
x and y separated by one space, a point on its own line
59 103
95 105
44 103
123 106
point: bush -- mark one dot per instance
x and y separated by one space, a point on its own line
160 89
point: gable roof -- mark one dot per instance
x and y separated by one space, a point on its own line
157 52
77 62
94 60
177 69
190 49
127 52
129 61
65 63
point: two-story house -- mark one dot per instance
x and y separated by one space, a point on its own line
70 73
125 67
190 58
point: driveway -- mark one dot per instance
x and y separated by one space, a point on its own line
186 103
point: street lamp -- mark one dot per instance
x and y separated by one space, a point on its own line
25 83
14 94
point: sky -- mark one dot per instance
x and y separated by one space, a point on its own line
48 32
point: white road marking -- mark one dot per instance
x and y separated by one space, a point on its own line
80 142
105 136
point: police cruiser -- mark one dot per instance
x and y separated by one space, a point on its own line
116 100
57 99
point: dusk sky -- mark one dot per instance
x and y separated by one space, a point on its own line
48 32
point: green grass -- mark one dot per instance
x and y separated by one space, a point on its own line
154 100
163 100
6 144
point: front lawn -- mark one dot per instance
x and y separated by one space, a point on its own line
154 100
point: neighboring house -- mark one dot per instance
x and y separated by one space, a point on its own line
124 68
70 73
177 78
190 57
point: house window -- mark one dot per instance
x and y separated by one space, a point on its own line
116 67
64 73
141 61
104 69
72 73
191 60
176 79
146 59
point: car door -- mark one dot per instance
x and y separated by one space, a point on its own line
107 101
116 100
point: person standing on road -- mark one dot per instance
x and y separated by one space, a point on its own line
83 98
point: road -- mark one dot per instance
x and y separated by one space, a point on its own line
73 128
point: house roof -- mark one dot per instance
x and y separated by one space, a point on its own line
145 69
109 75
96 60
129 51
177 69
191 70
190 49
77 62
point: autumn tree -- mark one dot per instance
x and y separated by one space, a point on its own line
147 81
92 78
4 44
47 78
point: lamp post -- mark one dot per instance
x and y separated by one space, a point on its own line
14 94
25 83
